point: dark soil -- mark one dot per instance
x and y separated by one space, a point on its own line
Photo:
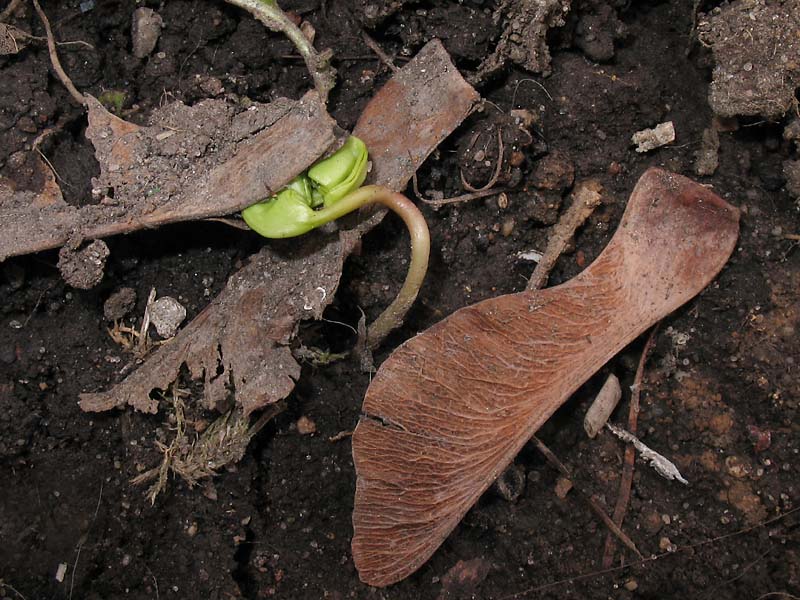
720 396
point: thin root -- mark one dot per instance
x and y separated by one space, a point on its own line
497 169
9 10
626 480
51 47
461 198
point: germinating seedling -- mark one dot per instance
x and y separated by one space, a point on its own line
331 189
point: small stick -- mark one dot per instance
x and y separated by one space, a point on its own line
553 460
626 480
51 47
585 198
340 436
373 45
9 10
792 236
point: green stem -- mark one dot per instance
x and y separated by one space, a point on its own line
271 15
392 317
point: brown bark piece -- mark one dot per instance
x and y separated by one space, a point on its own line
191 162
241 340
450 408
400 128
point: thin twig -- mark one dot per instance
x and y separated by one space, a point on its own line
37 38
142 340
373 45
585 198
593 504
13 5
626 480
792 236
340 436
51 47
84 538
155 581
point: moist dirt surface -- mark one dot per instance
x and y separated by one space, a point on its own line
720 392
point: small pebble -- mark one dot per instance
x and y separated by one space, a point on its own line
306 426
145 31
563 486
166 315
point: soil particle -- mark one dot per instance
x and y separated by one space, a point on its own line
791 172
650 139
83 268
464 578
554 172
146 27
511 484
119 304
756 47
595 33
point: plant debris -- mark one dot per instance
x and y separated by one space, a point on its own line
603 405
239 344
524 37
662 465
191 162
756 46
12 39
650 139
82 268
451 407
586 196
707 156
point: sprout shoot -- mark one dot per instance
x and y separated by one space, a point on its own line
333 184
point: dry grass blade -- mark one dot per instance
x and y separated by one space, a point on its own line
224 442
